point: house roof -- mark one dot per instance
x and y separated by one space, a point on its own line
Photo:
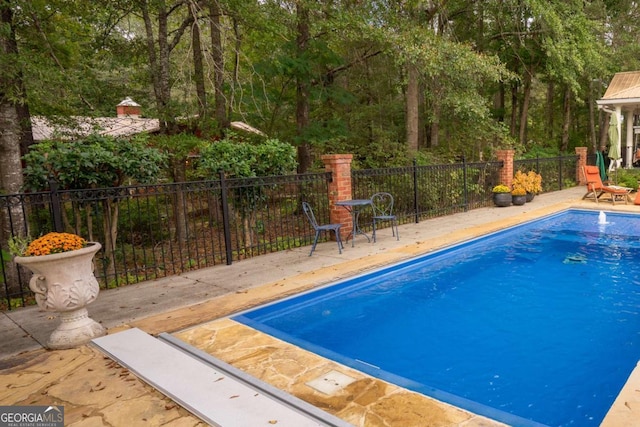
623 91
624 86
247 128
44 128
127 123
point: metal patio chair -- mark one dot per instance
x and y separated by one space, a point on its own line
324 227
382 204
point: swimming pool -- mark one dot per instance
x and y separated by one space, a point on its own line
538 324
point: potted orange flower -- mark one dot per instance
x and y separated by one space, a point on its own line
54 243
531 182
63 282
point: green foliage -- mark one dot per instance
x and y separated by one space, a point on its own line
235 159
5 257
424 157
144 221
541 151
239 159
179 149
86 56
501 188
381 153
17 246
626 177
92 162
274 158
178 146
75 61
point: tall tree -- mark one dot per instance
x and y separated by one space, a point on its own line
11 99
161 39
198 67
302 88
13 128
217 56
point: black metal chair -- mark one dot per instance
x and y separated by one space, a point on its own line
382 204
318 228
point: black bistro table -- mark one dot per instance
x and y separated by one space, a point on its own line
354 207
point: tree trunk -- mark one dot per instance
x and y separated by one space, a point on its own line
435 124
550 110
566 120
198 69
11 219
498 103
436 111
604 127
236 65
10 164
513 123
11 132
524 110
110 227
412 100
159 65
302 91
592 118
179 201
154 65
217 55
11 136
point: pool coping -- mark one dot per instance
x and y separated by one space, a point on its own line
625 408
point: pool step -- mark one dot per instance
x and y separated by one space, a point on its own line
218 393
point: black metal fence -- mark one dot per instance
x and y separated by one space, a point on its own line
152 231
557 172
422 192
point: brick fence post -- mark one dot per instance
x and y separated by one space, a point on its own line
582 161
339 188
506 173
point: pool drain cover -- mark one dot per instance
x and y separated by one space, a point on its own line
331 382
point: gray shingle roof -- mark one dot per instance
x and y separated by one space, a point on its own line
44 129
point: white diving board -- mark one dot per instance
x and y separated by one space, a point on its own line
213 390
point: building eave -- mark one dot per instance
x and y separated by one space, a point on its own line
624 104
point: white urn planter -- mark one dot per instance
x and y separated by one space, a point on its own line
64 283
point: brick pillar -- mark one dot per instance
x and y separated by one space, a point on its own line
339 188
506 173
581 152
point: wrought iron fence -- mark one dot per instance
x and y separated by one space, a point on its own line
152 231
422 192
557 172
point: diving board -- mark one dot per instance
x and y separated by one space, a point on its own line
213 390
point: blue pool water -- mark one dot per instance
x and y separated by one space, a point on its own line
534 325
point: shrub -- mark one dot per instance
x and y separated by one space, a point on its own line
530 182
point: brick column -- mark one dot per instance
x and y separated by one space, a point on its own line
506 173
339 188
581 152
